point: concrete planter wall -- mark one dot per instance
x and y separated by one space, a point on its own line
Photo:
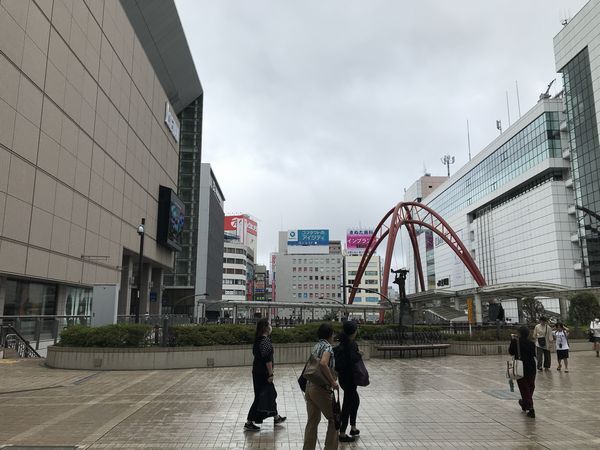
156 358
500 347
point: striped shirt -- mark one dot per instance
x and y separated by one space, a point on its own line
321 347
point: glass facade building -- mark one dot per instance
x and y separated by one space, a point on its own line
585 159
183 274
535 143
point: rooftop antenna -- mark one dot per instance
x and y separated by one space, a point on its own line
469 139
545 95
508 108
518 101
447 160
499 125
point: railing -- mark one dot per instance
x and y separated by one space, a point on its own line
408 337
43 328
154 319
10 338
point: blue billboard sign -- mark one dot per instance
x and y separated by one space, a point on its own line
308 237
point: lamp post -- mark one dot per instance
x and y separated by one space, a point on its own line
141 232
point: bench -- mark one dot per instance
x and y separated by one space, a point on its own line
417 348
391 341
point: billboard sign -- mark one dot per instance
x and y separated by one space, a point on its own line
241 226
171 215
308 237
357 240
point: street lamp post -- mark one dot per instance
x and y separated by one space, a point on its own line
141 232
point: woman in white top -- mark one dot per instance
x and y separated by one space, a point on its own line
595 328
562 345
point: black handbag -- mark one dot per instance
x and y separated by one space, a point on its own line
542 342
591 336
302 381
337 410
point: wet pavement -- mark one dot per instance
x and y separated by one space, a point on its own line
445 402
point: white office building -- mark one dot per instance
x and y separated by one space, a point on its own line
512 206
306 269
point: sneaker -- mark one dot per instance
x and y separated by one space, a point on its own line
521 405
279 420
251 427
346 438
540 369
354 432
566 371
558 368
531 413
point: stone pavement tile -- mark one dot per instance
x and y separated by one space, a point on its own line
452 402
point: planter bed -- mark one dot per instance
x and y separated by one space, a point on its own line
157 358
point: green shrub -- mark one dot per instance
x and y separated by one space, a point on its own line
119 335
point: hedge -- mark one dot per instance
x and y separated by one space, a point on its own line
122 335
119 335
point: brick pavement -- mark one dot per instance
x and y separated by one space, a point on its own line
452 402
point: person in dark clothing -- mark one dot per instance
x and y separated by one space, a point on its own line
264 404
346 355
522 347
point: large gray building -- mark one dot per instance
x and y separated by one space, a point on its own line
89 97
577 53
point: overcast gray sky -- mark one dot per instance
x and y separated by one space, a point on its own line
317 114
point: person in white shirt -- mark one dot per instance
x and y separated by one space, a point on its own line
595 328
560 334
542 335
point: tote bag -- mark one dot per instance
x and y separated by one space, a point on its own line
312 372
361 374
514 366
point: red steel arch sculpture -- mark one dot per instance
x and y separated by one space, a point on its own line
410 214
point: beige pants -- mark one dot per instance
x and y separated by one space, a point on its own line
318 400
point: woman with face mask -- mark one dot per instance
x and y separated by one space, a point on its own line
264 404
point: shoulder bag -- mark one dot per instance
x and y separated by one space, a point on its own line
514 366
312 372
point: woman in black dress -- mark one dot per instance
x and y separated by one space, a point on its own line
264 404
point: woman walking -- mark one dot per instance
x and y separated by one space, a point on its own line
319 398
347 355
264 404
522 347
562 345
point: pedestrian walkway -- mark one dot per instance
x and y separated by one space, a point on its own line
453 402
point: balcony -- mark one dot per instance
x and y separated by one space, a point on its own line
571 210
574 237
577 265
566 153
569 182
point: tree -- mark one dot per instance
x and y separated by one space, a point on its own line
583 308
532 309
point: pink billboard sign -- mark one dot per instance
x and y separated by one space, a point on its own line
358 239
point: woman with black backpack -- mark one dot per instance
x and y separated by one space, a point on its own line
346 356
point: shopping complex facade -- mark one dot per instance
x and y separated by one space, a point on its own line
90 94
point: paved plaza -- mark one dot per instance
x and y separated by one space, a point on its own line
447 402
